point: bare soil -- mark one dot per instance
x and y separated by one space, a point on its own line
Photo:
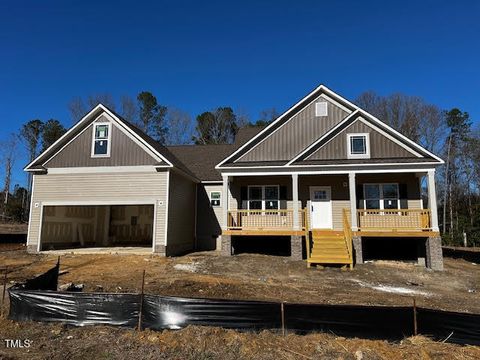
261 277
255 277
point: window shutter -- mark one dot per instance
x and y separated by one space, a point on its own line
243 197
359 195
403 194
283 197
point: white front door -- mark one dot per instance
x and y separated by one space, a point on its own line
321 207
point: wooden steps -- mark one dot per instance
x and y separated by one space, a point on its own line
329 247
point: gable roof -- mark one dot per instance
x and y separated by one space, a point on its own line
233 159
164 156
284 118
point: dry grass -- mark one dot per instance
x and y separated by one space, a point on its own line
55 341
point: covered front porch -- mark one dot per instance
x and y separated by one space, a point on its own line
330 211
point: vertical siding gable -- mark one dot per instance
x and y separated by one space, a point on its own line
124 151
381 147
297 134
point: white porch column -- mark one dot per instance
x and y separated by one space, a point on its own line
296 222
353 200
432 199
225 196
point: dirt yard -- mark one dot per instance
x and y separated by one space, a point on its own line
261 277
257 277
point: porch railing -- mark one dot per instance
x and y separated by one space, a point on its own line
264 219
394 219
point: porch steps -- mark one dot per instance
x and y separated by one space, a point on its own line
329 247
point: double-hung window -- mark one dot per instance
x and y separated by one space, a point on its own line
381 196
263 197
101 139
358 146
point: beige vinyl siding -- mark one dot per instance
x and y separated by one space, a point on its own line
209 219
295 135
380 146
181 215
339 187
123 152
99 188
340 194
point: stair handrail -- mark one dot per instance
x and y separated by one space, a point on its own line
347 231
307 234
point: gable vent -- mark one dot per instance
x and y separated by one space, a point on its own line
321 108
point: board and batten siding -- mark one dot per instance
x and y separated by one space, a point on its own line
100 189
181 215
296 134
380 146
123 152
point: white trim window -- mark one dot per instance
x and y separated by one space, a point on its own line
381 196
263 197
358 146
101 139
215 198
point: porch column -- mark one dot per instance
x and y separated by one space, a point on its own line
225 195
432 199
353 200
296 222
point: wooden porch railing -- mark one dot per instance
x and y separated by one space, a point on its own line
394 219
264 219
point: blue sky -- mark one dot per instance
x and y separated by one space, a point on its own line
250 55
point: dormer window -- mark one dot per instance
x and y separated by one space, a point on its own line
101 139
358 146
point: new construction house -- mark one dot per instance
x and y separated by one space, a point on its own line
325 182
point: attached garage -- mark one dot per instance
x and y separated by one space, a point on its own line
87 226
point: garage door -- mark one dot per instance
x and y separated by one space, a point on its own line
70 227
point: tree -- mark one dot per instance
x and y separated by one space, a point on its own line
9 151
411 115
129 109
216 127
52 131
459 125
31 133
180 127
266 117
78 107
152 116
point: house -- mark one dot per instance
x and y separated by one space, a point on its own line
326 176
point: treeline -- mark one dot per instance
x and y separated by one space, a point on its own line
451 135
171 125
448 133
167 125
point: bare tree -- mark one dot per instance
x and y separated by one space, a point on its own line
9 151
180 126
77 109
104 99
129 109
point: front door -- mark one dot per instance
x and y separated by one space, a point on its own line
321 207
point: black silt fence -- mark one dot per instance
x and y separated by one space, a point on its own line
158 312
